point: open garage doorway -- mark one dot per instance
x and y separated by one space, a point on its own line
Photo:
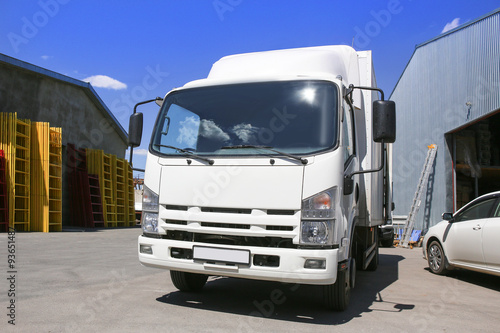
476 159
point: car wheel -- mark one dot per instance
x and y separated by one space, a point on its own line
188 281
436 258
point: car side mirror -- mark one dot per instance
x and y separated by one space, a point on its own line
384 121
447 217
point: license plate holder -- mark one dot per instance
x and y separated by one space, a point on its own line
222 255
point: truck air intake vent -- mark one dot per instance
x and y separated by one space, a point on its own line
279 228
175 207
225 225
176 222
226 210
280 212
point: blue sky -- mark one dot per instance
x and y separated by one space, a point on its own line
136 50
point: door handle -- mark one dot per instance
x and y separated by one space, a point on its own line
477 227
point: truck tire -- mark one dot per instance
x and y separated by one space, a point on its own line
388 242
337 295
188 281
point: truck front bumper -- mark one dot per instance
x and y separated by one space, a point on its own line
290 270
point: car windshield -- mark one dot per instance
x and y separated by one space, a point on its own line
294 117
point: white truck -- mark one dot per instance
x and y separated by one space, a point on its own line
271 168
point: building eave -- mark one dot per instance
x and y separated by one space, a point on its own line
85 86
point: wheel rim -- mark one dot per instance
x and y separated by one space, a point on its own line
435 257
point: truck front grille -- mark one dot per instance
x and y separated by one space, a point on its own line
231 226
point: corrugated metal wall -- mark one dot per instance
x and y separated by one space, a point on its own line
449 82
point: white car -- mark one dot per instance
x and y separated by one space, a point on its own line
467 239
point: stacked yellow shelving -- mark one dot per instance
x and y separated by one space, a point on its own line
46 178
121 195
39 176
110 189
22 175
130 203
15 137
101 164
55 179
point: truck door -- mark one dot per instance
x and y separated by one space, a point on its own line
349 152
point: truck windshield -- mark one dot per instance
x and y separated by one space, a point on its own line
294 117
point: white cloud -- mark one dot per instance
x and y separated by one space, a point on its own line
211 130
246 132
188 133
140 151
451 25
46 57
104 81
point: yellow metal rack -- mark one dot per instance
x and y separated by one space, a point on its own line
55 179
15 142
121 195
46 181
116 184
130 203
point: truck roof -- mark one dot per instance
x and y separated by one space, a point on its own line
309 61
316 62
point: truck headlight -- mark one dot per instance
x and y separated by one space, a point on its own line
150 208
150 222
318 219
317 232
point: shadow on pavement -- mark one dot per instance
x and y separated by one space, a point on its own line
291 302
477 278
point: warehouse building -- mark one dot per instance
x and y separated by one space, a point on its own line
449 95
41 95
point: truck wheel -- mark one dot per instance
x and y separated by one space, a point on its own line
337 295
436 258
388 242
188 281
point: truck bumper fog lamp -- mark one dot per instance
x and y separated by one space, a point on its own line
315 264
146 249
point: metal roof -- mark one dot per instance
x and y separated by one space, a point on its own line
85 86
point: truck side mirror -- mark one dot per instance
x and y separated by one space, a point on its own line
348 185
135 129
384 121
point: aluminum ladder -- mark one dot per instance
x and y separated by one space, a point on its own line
417 200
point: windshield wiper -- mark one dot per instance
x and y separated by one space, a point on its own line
295 157
187 153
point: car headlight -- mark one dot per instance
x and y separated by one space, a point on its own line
150 208
318 219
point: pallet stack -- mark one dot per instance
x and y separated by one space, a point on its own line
46 178
15 142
